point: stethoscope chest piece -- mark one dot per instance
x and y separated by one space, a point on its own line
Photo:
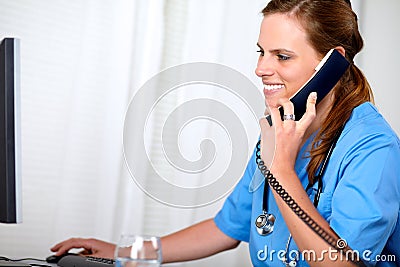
265 224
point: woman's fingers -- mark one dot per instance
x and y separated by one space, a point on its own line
267 141
288 108
310 114
92 247
275 113
63 247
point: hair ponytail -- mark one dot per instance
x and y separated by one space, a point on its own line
351 91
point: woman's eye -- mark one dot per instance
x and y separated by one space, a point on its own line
283 57
261 52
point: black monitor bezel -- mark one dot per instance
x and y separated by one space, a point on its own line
10 148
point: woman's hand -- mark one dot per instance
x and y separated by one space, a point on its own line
289 134
92 247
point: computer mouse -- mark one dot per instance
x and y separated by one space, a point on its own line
55 258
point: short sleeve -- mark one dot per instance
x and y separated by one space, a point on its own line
365 204
234 217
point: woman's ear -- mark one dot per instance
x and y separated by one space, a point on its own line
341 50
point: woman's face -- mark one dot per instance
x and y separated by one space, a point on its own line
286 59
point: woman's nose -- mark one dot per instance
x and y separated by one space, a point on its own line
264 67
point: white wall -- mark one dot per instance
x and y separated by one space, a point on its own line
380 59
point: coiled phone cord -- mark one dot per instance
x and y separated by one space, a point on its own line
334 242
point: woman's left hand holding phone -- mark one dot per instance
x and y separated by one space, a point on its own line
289 134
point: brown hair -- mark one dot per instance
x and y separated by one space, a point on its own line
329 24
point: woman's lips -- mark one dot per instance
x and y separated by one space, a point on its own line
270 89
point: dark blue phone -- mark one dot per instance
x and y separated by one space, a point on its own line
327 73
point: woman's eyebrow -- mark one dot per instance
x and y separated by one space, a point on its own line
278 50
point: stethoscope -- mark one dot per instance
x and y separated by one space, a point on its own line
265 222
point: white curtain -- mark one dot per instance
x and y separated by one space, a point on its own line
193 31
75 80
82 61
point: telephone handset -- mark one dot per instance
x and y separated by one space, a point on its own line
327 73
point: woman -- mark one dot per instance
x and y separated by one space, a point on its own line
360 188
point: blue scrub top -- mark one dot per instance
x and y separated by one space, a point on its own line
360 197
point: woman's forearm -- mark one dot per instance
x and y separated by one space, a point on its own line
195 242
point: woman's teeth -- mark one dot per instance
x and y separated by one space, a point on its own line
273 86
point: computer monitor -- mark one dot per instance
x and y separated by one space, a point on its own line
10 136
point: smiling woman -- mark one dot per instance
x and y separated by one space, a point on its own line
327 166
81 63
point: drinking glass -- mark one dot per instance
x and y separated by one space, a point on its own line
138 251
